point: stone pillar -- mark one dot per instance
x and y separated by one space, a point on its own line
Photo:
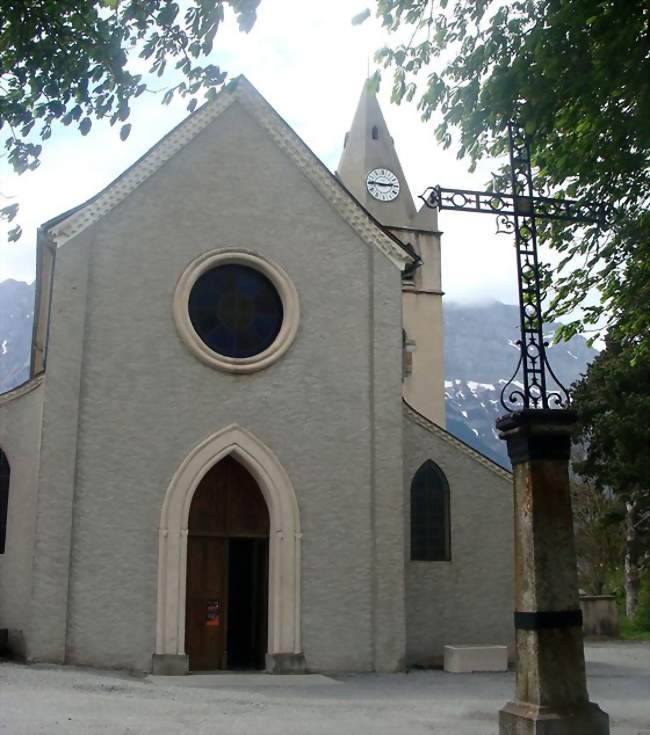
551 688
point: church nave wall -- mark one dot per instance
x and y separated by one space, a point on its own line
20 422
469 599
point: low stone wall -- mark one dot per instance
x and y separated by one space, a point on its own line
599 616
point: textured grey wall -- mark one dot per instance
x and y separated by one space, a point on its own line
145 401
470 598
57 467
389 624
20 432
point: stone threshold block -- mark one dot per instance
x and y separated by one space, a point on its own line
285 663
466 659
167 664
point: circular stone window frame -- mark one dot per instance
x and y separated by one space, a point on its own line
278 277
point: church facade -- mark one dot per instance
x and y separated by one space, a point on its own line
231 453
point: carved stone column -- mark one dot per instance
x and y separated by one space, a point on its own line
551 689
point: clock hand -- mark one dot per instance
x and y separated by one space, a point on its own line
382 183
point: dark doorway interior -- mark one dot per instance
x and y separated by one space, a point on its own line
247 603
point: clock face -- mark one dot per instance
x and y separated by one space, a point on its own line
382 184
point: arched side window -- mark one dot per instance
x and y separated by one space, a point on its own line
4 498
430 526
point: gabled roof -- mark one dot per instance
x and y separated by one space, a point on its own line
69 224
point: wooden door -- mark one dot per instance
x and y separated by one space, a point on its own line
207 602
227 555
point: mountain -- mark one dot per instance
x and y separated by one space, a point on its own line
16 317
480 356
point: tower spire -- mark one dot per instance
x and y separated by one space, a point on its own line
369 146
371 171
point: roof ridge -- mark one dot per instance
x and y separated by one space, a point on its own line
256 97
447 436
69 224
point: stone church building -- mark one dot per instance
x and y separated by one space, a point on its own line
231 451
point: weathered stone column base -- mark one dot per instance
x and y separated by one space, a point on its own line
285 663
168 664
518 718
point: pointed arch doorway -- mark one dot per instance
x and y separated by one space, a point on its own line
284 647
226 615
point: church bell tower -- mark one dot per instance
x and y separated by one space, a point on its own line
370 169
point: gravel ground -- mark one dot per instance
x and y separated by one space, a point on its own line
76 701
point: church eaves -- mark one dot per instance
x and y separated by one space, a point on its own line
417 418
71 223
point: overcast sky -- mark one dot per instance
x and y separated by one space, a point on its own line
310 63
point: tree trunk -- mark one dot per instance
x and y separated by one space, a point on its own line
631 560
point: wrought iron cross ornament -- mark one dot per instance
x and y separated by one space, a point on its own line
517 212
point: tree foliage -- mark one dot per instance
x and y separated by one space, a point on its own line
71 62
599 537
613 404
576 73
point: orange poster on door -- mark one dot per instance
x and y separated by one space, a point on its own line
213 616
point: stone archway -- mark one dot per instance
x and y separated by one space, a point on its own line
284 642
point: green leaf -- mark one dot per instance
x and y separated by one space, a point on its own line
15 233
361 17
125 131
9 212
372 84
85 125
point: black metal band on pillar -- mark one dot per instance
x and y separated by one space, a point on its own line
546 619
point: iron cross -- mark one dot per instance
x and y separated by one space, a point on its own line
517 212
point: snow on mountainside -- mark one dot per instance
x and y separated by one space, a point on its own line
16 315
480 356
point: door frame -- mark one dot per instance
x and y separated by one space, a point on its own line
284 635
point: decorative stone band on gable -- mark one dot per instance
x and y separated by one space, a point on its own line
70 224
277 276
443 434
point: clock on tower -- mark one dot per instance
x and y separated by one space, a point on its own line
382 184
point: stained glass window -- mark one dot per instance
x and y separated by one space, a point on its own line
235 310
430 533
